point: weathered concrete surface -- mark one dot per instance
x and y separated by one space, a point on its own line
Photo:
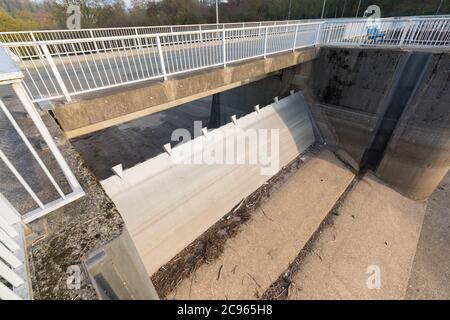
66 236
430 275
375 226
273 237
117 271
111 107
418 154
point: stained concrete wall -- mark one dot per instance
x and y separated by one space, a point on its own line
347 90
350 90
242 100
418 155
106 108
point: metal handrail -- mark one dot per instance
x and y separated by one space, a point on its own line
64 68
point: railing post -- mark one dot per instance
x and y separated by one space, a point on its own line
295 38
265 42
93 40
161 57
224 48
319 29
56 73
32 36
405 32
137 38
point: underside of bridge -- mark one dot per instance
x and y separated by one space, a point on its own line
363 138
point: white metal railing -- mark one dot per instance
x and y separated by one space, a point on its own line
28 168
22 175
49 35
65 68
14 283
411 33
38 182
67 34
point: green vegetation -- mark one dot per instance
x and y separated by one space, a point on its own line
49 14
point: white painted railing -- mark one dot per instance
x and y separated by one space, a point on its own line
68 34
400 33
34 168
49 35
14 284
26 169
62 69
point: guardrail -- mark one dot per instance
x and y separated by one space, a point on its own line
62 69
50 35
41 181
67 34
36 180
14 284
66 68
411 33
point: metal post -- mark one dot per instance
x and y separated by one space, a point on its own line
343 8
34 115
405 32
8 213
56 73
323 8
137 37
439 8
357 9
161 57
217 11
93 40
295 38
224 48
319 29
265 42
289 11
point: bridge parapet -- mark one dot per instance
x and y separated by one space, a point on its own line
60 67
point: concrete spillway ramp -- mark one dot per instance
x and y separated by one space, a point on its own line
276 233
170 200
367 249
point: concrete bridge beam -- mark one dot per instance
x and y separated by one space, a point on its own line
107 108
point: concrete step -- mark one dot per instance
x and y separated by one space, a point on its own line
375 232
272 239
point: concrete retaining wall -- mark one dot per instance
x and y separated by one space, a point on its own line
418 155
351 94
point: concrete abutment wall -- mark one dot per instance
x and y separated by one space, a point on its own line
352 93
